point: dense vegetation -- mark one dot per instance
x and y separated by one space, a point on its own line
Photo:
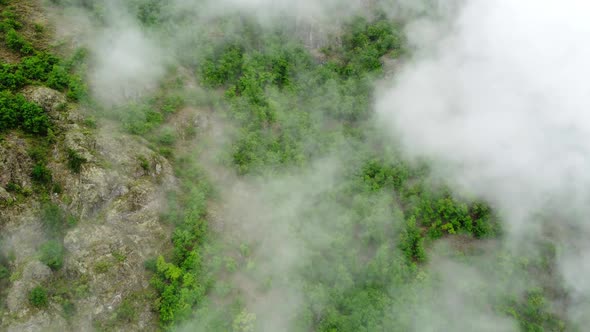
383 216
35 67
17 112
291 109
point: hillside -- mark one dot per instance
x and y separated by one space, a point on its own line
201 166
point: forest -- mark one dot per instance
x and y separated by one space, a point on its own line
293 208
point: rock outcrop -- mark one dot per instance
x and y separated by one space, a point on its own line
116 199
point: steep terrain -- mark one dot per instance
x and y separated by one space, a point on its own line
80 209
203 166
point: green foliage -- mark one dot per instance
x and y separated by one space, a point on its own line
39 28
244 322
4 272
55 220
38 153
126 312
446 215
364 43
167 136
289 109
149 12
11 77
119 256
52 254
280 96
41 174
38 297
534 313
412 243
180 283
144 163
172 103
139 119
69 309
223 68
17 112
17 43
39 66
102 267
10 20
56 188
58 78
377 175
151 265
75 161
34 118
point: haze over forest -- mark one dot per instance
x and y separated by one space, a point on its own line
274 165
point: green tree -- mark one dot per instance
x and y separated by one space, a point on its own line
412 242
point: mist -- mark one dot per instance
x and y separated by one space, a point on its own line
492 96
500 105
128 64
129 59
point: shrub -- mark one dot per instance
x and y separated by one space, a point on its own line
39 28
226 69
144 163
77 88
35 119
39 66
90 122
16 111
172 104
102 267
58 78
412 243
150 265
9 114
4 272
38 153
52 253
75 161
126 312
17 43
69 309
10 19
140 118
41 174
11 77
57 188
167 137
38 297
14 188
54 219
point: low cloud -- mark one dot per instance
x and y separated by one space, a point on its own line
500 102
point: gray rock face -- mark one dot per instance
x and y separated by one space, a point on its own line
50 100
40 321
117 197
123 200
33 274
15 163
80 142
21 235
5 196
